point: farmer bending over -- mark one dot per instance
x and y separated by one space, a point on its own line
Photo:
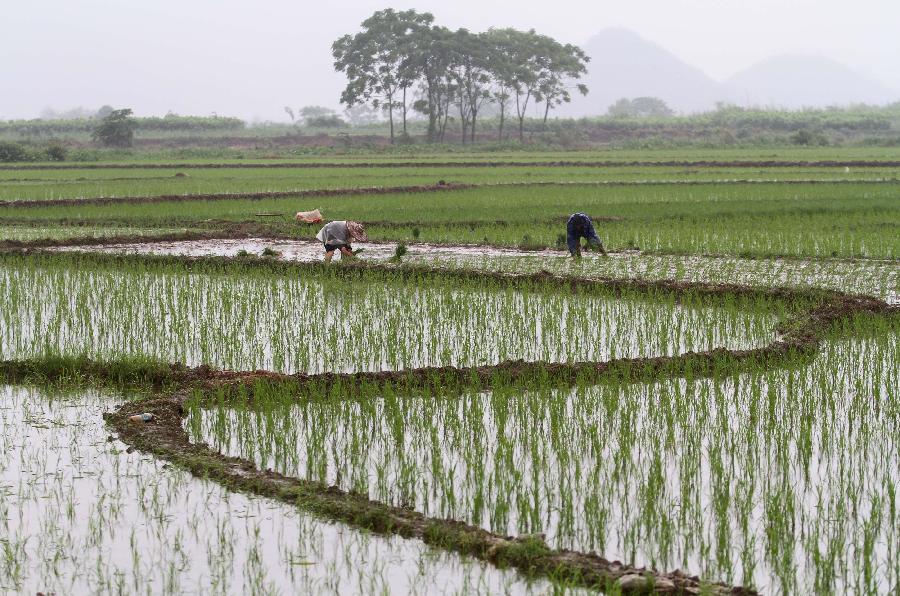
580 226
337 235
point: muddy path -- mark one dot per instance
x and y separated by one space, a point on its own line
165 438
413 189
291 250
232 238
768 163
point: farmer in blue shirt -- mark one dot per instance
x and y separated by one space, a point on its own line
580 226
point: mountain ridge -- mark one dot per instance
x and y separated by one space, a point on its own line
624 64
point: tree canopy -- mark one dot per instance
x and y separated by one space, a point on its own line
116 129
402 60
640 107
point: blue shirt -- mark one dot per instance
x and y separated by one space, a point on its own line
573 237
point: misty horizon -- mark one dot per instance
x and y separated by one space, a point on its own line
233 60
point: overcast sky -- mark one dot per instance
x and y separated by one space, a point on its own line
250 59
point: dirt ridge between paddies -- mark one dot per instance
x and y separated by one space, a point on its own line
420 188
165 437
767 163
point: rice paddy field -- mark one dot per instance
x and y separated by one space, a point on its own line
713 408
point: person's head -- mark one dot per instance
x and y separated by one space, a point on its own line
357 232
578 225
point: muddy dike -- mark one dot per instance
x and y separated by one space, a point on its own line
164 437
252 196
773 163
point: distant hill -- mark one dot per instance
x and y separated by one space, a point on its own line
623 64
795 81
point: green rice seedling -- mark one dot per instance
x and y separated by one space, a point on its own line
725 476
779 219
253 318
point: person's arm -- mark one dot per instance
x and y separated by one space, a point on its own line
345 251
594 239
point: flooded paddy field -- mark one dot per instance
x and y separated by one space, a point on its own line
81 512
781 479
711 409
308 321
809 220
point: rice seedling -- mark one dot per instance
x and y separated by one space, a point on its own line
247 318
54 184
812 220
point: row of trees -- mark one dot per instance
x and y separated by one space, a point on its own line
402 61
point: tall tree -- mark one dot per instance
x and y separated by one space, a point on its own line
434 58
470 70
518 62
378 61
501 45
528 63
560 65
397 53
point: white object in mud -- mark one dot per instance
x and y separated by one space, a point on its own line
313 216
145 417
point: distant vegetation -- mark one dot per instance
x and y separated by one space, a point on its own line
640 107
170 122
116 129
642 123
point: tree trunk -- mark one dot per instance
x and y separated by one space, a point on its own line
502 115
404 113
463 121
391 116
521 112
474 119
546 113
445 115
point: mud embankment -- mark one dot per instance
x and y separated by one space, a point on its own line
228 196
165 438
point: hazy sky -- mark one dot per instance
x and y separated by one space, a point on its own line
250 59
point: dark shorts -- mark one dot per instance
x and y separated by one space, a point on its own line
334 247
